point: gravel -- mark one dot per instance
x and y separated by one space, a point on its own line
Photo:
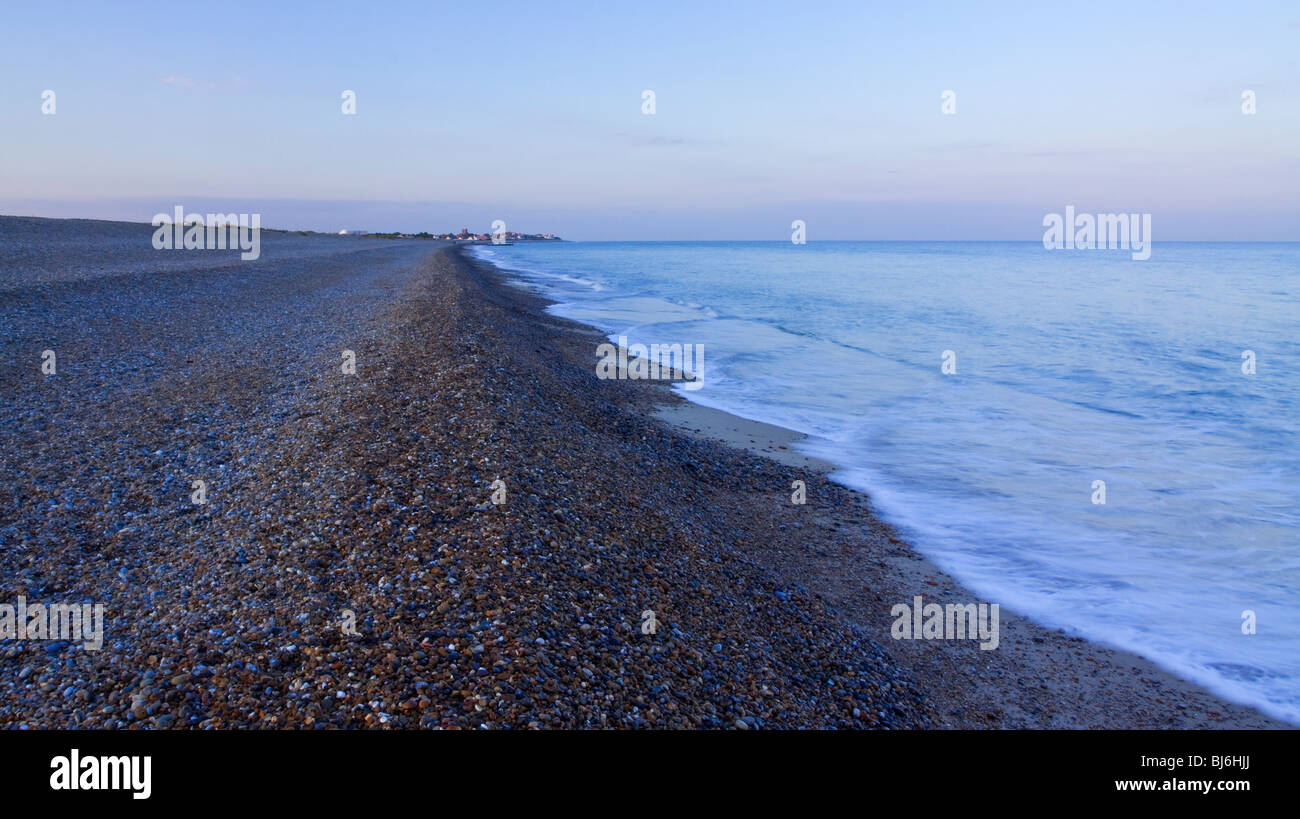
369 495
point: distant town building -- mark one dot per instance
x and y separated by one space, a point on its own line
463 236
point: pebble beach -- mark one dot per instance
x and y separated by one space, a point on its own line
466 531
348 568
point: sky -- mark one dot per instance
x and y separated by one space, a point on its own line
532 113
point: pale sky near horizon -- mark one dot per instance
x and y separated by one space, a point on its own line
765 113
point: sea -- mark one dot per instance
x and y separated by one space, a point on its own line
1104 444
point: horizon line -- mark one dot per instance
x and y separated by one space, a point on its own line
644 241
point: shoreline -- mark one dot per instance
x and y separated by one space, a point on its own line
350 566
1039 677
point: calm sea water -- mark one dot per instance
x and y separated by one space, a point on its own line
1071 368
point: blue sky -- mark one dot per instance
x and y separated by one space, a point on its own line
765 113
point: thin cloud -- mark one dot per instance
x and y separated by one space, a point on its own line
637 141
182 81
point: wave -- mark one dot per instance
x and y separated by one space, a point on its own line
990 470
